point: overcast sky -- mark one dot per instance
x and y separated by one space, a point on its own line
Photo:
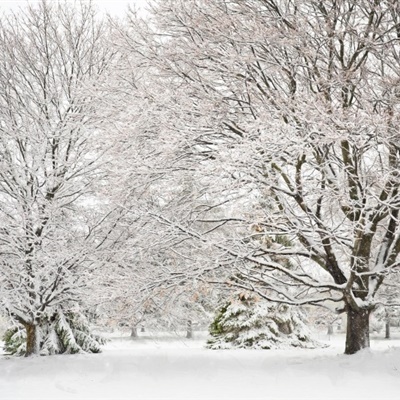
115 7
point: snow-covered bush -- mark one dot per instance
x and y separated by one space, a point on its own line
64 333
249 322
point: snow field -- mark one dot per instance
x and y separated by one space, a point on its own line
183 369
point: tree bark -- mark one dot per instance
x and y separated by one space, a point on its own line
387 329
134 333
31 340
357 335
189 330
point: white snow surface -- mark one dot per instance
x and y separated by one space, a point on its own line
174 368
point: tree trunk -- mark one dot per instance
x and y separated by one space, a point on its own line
387 329
189 330
134 333
31 340
357 335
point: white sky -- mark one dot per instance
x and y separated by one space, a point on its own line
114 7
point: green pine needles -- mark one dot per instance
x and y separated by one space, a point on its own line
249 322
63 333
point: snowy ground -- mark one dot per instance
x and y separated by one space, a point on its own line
173 368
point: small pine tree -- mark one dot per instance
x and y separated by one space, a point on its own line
64 333
249 322
14 341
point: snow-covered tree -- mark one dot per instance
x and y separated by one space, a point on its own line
388 310
297 103
53 57
153 181
64 333
247 321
